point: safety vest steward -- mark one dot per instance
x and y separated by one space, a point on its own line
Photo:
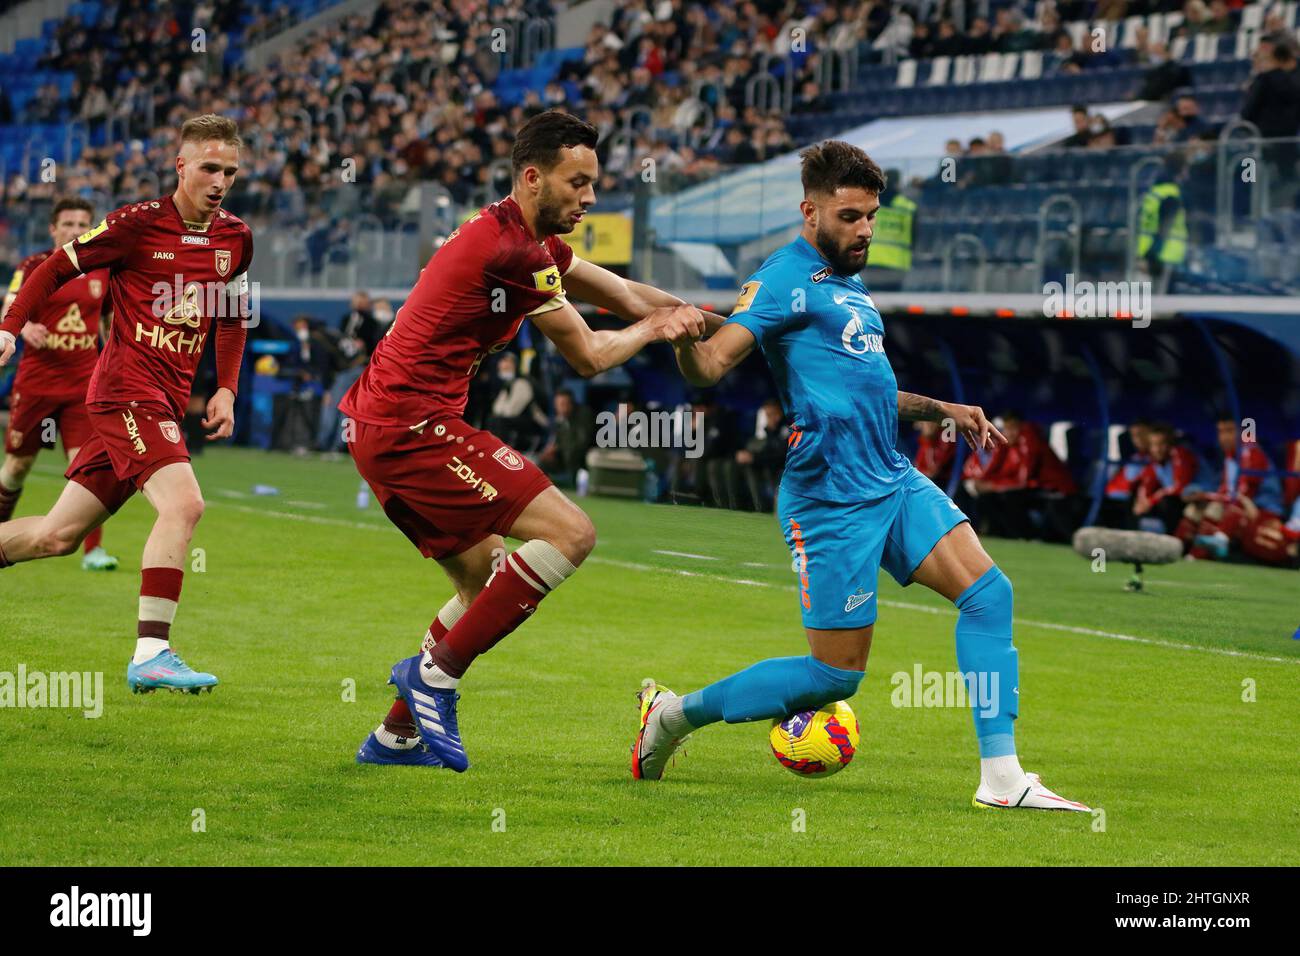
1173 250
891 237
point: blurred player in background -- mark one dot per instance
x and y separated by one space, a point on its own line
189 246
849 502
1158 502
50 388
1245 510
456 491
1117 506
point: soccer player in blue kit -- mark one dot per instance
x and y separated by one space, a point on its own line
849 501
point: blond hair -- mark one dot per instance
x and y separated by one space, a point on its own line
209 126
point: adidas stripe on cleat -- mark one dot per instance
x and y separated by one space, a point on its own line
166 671
434 712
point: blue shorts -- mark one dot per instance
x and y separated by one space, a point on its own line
838 548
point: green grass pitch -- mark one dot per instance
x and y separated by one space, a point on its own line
1132 703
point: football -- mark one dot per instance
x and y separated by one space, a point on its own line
816 743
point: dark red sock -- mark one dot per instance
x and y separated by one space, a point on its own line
399 720
7 501
507 601
437 631
93 540
163 584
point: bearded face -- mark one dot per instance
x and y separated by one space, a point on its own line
847 256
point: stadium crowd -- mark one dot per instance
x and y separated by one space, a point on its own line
408 96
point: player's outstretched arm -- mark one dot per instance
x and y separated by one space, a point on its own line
969 420
36 288
630 301
704 363
591 351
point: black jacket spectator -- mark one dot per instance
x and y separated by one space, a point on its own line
1273 103
1163 79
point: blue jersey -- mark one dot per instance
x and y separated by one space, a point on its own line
825 342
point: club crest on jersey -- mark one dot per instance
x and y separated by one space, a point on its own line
548 279
96 288
170 431
223 262
509 458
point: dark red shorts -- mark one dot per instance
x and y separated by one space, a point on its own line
129 443
30 415
447 486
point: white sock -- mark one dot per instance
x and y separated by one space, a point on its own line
673 718
7 483
450 613
435 676
394 742
147 648
1002 774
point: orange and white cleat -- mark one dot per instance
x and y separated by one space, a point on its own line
654 746
1030 794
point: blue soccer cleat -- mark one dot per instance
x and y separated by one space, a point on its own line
434 711
372 751
166 671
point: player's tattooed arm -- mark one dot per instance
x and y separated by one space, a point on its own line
969 420
704 363
919 408
630 301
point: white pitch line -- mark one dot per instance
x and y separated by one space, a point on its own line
684 554
947 612
901 605
312 505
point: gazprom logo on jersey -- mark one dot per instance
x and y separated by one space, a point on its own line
857 339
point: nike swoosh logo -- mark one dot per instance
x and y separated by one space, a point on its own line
840 298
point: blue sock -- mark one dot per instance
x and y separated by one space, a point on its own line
776 687
987 657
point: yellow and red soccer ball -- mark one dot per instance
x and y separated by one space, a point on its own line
816 743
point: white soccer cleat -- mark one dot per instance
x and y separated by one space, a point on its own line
654 747
1030 794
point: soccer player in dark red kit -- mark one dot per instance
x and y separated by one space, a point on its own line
50 388
456 491
199 254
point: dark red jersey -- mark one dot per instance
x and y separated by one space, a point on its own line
1171 476
168 280
1039 465
934 458
62 366
468 303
